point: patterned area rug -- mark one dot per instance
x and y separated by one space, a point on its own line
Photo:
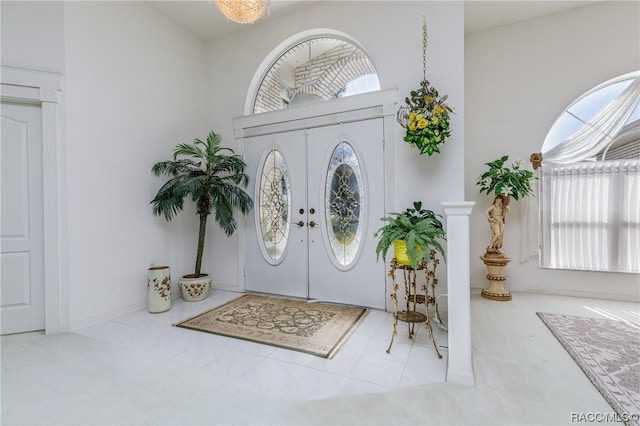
315 328
608 352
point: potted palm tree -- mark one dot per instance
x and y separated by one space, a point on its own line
214 178
413 233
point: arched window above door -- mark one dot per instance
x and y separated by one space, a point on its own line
314 69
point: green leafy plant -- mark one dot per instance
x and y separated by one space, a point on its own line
420 228
514 181
213 180
426 118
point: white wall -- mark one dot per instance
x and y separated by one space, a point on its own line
33 34
391 33
518 79
134 89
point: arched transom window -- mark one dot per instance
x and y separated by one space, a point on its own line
316 69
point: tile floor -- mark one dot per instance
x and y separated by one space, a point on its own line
138 370
361 366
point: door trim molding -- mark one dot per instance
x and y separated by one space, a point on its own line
351 108
45 88
380 104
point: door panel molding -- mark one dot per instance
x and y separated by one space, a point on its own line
22 240
45 88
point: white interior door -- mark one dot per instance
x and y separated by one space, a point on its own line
319 195
21 240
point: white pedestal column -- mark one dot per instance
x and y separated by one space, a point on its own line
459 367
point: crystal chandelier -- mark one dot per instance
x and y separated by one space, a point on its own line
243 11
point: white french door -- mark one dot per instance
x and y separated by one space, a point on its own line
346 180
22 239
319 196
277 231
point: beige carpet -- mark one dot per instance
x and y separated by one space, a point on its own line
608 352
315 328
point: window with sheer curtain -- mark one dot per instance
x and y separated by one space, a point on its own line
589 188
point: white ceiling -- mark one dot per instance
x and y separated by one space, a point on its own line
207 23
482 15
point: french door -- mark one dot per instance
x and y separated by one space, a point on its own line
319 196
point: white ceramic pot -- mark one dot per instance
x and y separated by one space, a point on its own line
158 289
195 289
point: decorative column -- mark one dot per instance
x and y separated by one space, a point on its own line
459 367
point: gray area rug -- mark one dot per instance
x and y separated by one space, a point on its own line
608 352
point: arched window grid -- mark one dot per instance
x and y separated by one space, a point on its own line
319 77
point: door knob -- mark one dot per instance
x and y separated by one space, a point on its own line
300 224
312 224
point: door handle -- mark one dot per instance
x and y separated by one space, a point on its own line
312 224
300 224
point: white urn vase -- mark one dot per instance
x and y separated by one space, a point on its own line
159 289
194 288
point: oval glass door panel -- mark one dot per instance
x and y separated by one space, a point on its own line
344 204
274 195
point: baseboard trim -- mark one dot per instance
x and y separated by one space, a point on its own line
573 293
108 316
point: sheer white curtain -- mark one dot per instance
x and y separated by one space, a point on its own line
590 216
529 219
589 211
629 244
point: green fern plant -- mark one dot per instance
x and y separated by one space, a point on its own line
420 228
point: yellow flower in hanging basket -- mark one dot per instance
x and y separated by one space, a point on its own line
426 118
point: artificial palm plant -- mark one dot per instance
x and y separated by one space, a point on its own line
214 181
420 228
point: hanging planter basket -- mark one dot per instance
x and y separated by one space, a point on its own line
426 113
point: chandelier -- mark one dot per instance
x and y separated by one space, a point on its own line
243 11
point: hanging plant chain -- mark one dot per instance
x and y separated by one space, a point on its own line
424 47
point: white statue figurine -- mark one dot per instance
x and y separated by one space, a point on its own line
495 215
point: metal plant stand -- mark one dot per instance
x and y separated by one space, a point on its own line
413 298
